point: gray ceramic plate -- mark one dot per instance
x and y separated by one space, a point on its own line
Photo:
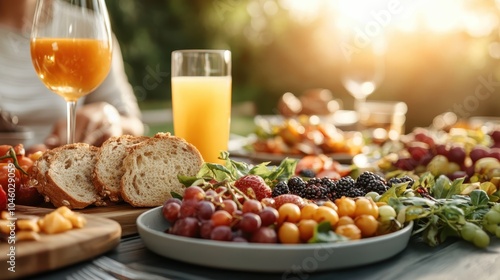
267 257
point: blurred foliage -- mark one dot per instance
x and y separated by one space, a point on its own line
276 50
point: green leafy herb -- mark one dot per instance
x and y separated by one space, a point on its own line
444 188
232 170
323 234
478 198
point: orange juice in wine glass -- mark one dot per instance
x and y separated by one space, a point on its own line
71 45
71 67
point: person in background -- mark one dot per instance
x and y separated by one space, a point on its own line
110 110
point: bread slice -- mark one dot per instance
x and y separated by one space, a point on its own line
152 167
108 169
64 176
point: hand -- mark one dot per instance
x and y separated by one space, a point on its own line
95 123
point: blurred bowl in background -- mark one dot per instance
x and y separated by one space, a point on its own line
342 119
385 119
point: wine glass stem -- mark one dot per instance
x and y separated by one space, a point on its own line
71 121
358 102
357 105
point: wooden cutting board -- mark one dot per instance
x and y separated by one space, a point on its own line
123 213
54 251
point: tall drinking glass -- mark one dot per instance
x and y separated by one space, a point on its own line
201 99
71 49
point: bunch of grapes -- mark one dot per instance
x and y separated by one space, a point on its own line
458 158
491 220
208 215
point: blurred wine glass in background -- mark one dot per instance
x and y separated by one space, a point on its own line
362 66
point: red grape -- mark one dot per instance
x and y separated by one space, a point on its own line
268 216
206 229
417 152
478 152
469 169
456 154
495 135
252 205
426 159
188 208
204 209
188 227
174 200
264 235
229 205
424 138
221 233
194 192
442 150
171 211
221 218
406 164
494 153
250 222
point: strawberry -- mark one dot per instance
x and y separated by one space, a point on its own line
288 198
253 186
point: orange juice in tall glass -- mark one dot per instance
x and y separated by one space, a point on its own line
201 99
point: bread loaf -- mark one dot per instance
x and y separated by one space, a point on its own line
64 176
152 166
108 170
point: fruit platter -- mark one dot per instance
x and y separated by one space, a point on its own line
244 220
298 205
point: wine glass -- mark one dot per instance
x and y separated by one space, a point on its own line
71 47
362 67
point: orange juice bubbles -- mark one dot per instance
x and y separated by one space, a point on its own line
201 99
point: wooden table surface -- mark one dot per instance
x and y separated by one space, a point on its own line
454 259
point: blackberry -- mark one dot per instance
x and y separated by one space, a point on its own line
307 173
280 188
400 180
315 192
314 189
296 185
345 186
329 184
371 182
